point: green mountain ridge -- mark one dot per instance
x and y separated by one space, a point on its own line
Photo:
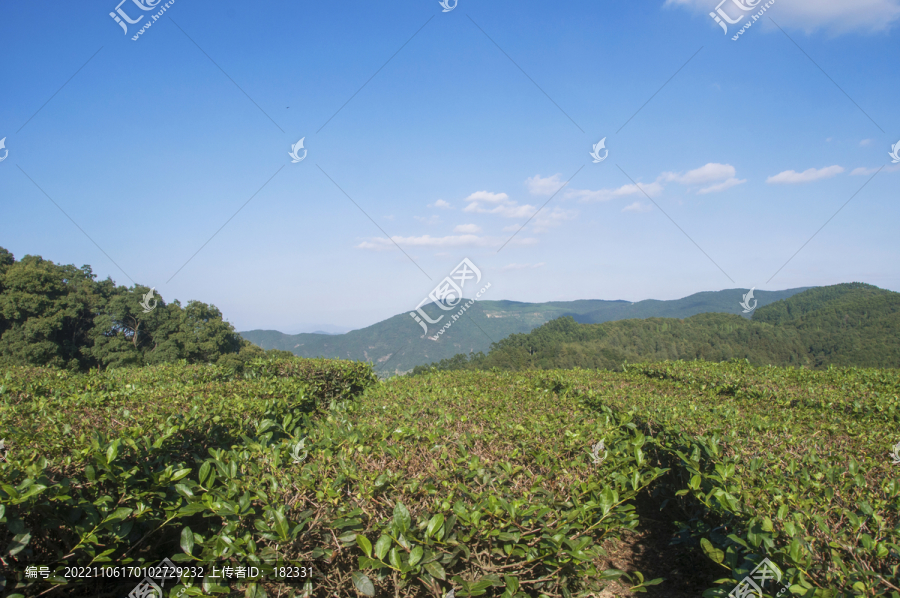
397 345
852 324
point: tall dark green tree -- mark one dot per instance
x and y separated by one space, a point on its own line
61 316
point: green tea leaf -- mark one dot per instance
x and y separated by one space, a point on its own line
402 520
281 525
364 543
711 551
415 555
395 558
112 451
382 546
204 472
181 473
363 584
434 524
435 569
187 540
19 542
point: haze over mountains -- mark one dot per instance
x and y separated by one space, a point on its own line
397 345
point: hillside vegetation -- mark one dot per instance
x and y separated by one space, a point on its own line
851 324
131 437
61 316
487 483
398 344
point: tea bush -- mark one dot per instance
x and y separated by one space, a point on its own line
487 483
788 464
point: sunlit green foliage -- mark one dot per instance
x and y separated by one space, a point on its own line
483 482
790 464
60 316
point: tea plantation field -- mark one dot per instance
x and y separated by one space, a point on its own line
331 483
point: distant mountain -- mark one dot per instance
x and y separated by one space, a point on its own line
397 345
851 324
314 328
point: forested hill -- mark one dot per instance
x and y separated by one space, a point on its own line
396 345
852 324
61 316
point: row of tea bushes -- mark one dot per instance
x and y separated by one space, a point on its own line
125 466
491 484
781 463
481 483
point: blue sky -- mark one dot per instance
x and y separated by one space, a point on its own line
459 126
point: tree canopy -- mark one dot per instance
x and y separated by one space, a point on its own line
851 324
62 316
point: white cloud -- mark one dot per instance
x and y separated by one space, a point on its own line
721 174
515 266
467 228
586 195
862 171
637 207
708 173
837 15
439 204
488 197
502 205
425 241
700 176
550 219
865 142
380 243
727 184
434 219
809 175
512 211
544 186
